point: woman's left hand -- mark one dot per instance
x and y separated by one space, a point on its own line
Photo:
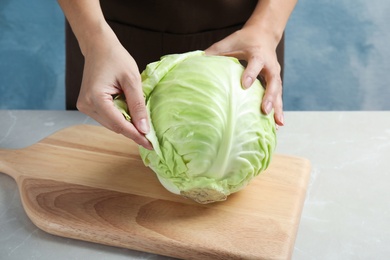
260 54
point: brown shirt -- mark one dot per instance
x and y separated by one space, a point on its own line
149 29
179 16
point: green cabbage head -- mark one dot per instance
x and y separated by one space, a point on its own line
209 136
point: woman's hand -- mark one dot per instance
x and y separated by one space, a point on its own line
110 70
256 43
260 55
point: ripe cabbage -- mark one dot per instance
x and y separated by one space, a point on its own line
209 136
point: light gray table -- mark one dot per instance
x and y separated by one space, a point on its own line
346 214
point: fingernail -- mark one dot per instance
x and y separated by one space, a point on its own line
281 120
248 82
143 126
268 107
149 146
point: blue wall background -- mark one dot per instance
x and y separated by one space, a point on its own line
337 55
32 55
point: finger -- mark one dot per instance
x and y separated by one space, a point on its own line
132 88
273 96
252 70
110 117
102 109
278 111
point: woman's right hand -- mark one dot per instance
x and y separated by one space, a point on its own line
110 70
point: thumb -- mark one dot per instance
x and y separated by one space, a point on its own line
139 116
137 108
212 50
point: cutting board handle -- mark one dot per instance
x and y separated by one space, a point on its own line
5 166
67 218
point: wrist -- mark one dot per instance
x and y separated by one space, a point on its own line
95 36
269 19
264 32
87 22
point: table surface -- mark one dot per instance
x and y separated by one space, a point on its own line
346 213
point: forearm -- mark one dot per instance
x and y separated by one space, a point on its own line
270 18
87 22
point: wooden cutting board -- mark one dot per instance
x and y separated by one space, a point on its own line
86 182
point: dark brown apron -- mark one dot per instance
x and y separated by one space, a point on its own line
149 29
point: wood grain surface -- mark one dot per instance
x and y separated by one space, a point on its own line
88 183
